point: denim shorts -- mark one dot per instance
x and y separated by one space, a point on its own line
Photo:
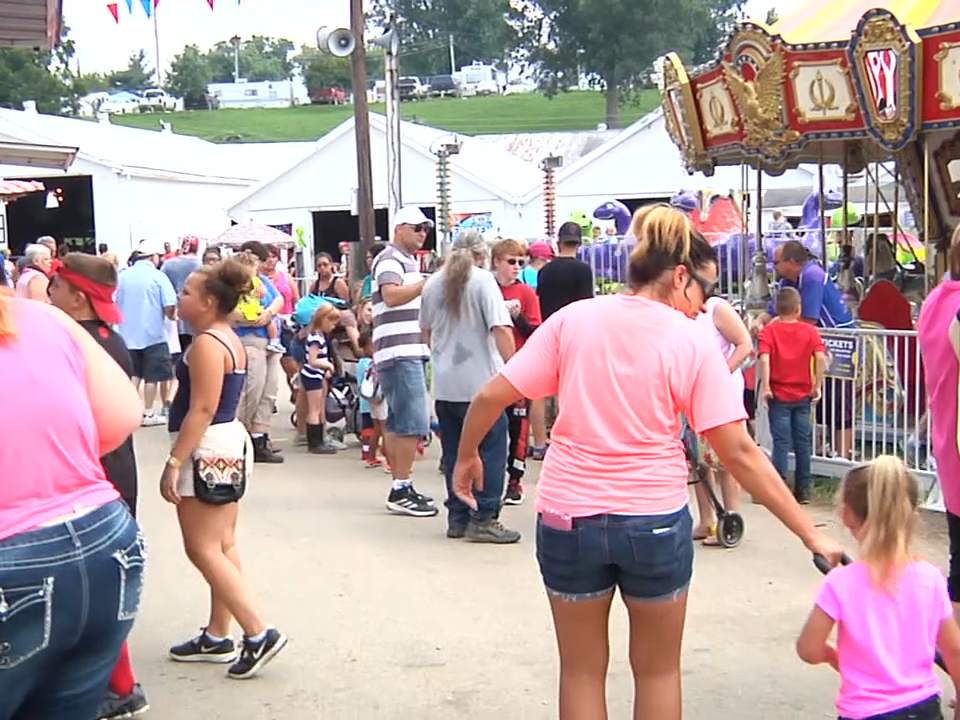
928 709
649 557
404 386
152 364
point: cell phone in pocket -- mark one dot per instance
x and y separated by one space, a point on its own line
556 520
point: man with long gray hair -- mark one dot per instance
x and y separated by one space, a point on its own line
467 325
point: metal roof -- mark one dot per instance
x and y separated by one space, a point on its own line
30 23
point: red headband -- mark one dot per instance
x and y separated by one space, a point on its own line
102 297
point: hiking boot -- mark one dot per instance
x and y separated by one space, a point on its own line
456 531
491 531
315 442
255 655
114 706
262 452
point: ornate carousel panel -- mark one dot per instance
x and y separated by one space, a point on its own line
886 59
681 113
719 113
941 101
823 95
947 159
755 71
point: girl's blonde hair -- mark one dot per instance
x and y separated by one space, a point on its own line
326 311
883 496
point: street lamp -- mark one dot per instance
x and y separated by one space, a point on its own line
235 40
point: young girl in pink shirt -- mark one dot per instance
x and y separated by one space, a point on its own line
891 609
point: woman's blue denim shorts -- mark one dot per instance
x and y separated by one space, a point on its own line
649 557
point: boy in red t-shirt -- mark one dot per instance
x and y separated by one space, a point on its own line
787 348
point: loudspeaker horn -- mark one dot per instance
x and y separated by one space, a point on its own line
339 42
389 41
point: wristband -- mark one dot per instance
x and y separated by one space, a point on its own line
172 462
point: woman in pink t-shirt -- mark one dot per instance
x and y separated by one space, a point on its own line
71 556
938 331
612 496
891 609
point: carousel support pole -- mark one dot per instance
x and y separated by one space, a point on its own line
758 296
846 280
876 216
896 204
743 257
823 211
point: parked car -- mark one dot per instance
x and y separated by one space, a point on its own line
520 87
119 106
328 96
487 87
442 86
411 88
157 100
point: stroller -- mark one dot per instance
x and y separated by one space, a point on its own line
730 525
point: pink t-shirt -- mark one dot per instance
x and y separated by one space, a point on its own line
624 368
49 446
940 372
885 642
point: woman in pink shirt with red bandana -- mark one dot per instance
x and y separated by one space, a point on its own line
612 497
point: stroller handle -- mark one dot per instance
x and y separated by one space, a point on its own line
824 566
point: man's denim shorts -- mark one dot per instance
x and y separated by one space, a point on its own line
404 386
649 557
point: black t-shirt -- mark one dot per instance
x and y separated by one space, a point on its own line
120 465
562 281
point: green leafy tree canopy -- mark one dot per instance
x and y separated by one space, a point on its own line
189 77
42 76
480 29
614 43
261 58
136 76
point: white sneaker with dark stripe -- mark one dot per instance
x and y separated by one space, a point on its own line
407 501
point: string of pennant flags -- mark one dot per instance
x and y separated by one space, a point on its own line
149 7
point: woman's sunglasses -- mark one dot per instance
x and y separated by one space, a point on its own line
513 261
709 288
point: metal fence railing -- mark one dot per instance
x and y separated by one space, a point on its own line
874 403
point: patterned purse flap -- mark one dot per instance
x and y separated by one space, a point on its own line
221 470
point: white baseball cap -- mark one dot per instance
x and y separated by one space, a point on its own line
146 248
410 215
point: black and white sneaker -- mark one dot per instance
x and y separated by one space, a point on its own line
114 706
203 649
407 501
255 655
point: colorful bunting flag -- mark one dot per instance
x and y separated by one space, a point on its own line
155 3
210 3
147 7
130 6
115 11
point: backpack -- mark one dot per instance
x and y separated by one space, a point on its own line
308 304
370 385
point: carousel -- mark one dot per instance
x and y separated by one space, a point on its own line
871 87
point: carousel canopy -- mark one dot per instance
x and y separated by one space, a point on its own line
840 82
817 21
11 189
252 230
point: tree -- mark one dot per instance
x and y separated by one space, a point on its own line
322 70
42 76
189 77
772 16
136 76
614 43
261 58
480 29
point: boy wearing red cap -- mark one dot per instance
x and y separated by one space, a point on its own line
85 287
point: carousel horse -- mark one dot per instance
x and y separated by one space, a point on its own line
617 212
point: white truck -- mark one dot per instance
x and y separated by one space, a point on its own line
157 100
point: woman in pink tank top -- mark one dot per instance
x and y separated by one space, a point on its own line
66 538
939 334
32 283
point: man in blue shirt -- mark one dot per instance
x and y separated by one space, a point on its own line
263 367
146 299
822 305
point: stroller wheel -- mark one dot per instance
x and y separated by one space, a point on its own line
293 418
730 529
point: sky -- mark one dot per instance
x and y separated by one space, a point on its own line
104 45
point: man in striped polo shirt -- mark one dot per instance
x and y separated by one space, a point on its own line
399 354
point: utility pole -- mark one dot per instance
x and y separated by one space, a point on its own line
392 67
361 129
235 40
156 44
453 57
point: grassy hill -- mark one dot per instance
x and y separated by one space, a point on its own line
496 114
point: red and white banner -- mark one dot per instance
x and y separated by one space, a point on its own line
883 71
